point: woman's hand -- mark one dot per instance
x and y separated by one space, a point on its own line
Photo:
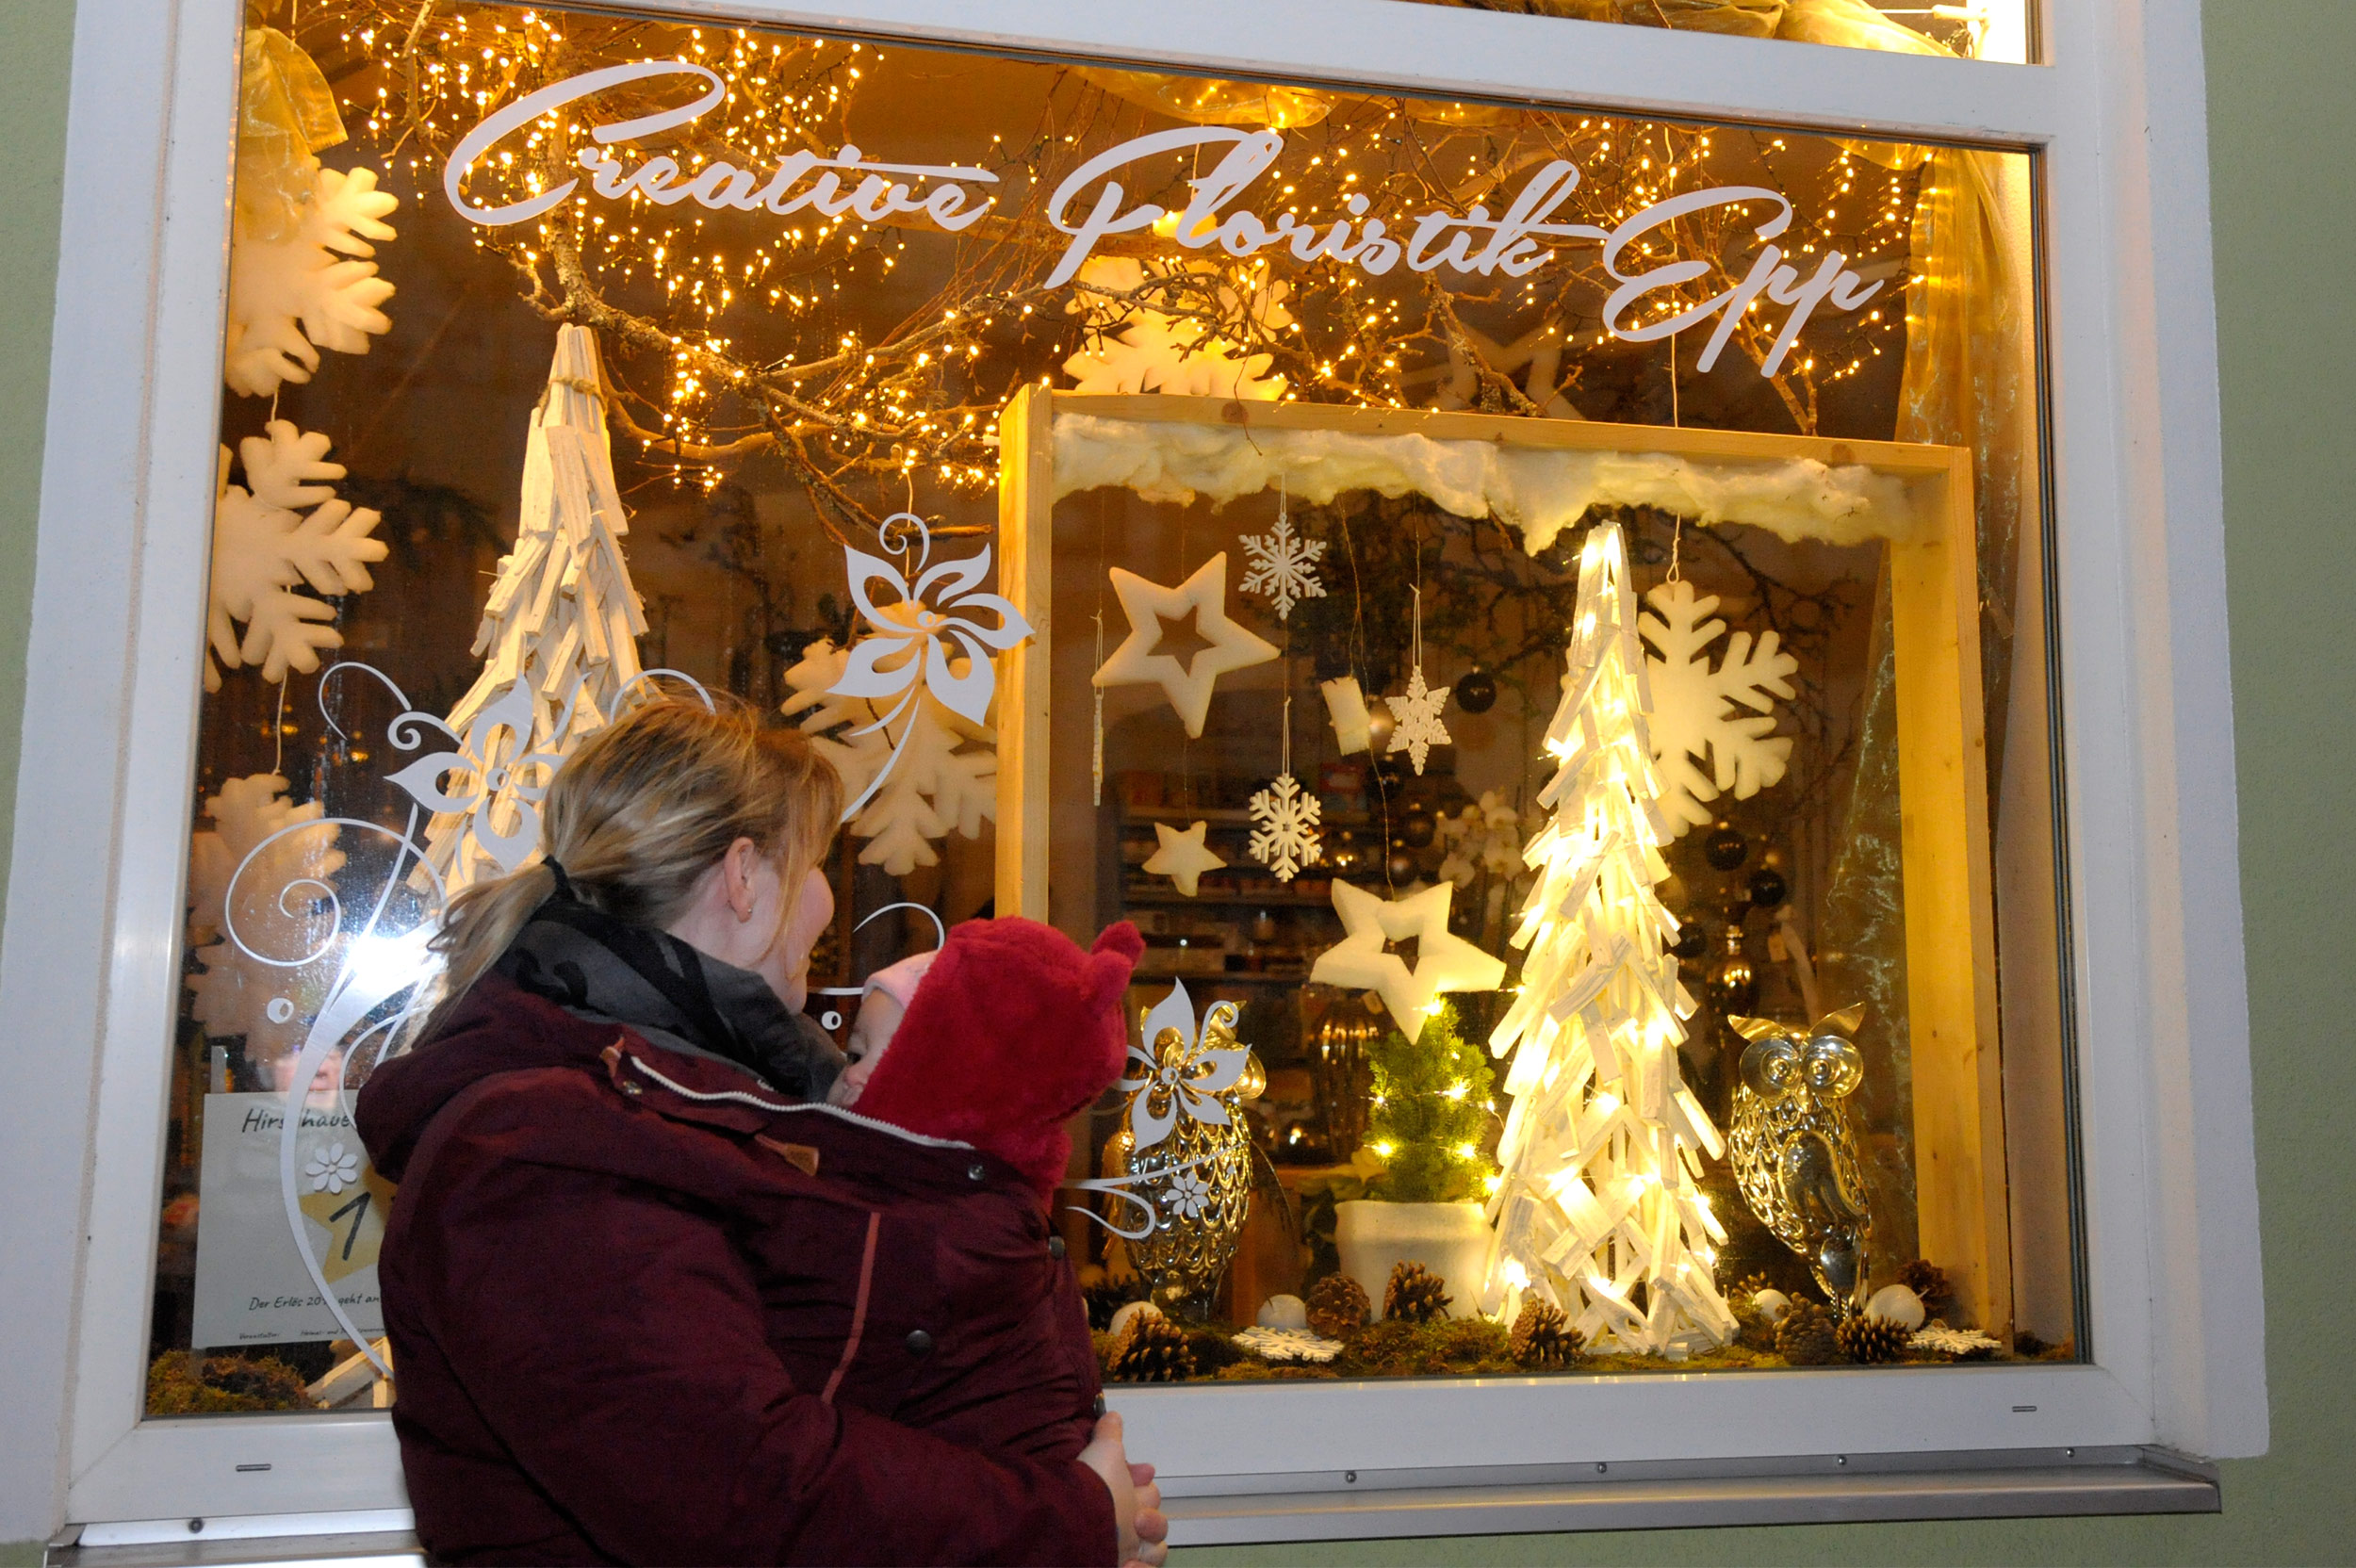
1136 1501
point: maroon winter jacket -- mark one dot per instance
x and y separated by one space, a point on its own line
643 1309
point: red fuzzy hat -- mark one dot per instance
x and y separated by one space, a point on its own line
1013 1030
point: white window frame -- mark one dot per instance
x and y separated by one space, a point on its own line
91 966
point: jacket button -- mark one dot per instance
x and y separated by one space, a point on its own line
633 1090
975 1171
1100 1407
919 1342
1054 1246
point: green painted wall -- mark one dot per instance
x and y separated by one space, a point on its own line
2282 126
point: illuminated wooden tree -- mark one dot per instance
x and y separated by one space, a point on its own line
559 639
1597 1209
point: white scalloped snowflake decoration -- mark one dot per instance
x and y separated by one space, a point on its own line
1694 717
945 781
315 289
1286 837
1284 567
1137 349
264 906
264 546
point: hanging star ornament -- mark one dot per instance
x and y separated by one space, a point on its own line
1188 684
1362 960
1184 856
1417 728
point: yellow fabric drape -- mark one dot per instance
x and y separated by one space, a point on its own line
286 113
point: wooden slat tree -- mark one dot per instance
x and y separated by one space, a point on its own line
1599 1209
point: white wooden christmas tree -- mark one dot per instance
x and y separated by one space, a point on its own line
1597 1207
560 630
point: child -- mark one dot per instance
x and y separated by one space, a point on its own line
967 1063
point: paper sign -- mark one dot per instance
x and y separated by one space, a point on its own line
252 1287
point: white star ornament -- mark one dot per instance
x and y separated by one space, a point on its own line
1182 856
1189 683
1444 962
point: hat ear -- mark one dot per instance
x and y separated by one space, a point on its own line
1107 976
1121 937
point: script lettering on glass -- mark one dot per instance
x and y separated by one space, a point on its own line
1516 243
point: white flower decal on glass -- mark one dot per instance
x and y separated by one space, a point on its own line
494 765
917 629
332 1168
1183 1074
1189 1194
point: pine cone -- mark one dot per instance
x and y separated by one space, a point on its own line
1806 1336
1928 1282
1870 1341
1543 1337
1414 1294
1338 1306
1744 1288
1154 1350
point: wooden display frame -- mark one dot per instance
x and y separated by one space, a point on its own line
1962 1210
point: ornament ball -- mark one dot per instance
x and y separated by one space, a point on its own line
1726 849
1692 942
1476 690
1420 828
1768 887
1402 866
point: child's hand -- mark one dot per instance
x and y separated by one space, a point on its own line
1136 1501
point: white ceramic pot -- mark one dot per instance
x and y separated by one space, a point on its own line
1449 1239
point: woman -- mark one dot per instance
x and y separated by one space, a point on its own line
586 1270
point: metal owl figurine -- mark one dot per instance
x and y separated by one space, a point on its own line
1794 1155
1184 1152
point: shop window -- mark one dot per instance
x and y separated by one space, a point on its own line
1538 616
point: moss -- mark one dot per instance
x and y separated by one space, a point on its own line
179 1383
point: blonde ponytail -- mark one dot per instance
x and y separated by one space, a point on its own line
638 814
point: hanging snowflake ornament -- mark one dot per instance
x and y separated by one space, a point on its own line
1415 726
1284 836
1282 565
944 780
315 288
1695 715
265 546
926 640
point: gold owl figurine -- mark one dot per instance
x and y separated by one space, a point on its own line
1185 1147
1794 1155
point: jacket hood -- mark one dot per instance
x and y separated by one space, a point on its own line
498 1027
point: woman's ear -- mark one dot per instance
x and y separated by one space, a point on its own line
739 877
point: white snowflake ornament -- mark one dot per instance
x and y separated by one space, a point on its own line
264 547
1284 837
1695 716
314 289
1283 566
1416 726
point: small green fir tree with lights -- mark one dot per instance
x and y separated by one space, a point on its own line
1430 1115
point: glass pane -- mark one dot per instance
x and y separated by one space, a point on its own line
1494 579
1979 30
